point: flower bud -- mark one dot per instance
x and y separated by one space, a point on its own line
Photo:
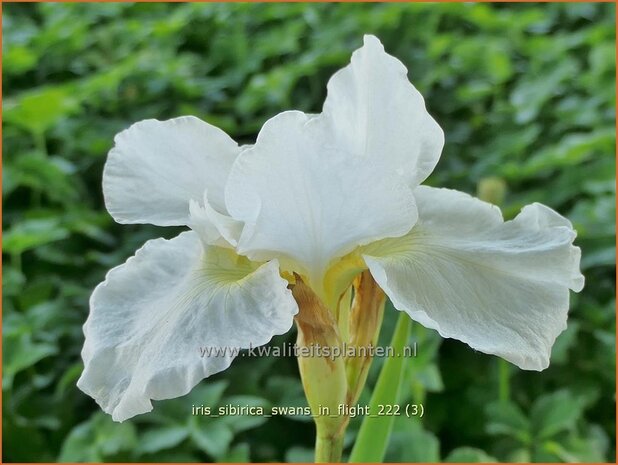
364 328
320 361
491 189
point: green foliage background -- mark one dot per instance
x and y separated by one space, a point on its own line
525 94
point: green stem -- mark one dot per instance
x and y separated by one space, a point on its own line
324 378
328 449
504 388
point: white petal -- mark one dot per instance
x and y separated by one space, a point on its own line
157 167
150 317
214 228
374 111
305 199
501 287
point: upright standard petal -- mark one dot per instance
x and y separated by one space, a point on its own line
172 315
373 110
307 200
157 167
501 287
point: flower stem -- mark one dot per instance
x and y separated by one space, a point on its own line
323 377
328 448
504 388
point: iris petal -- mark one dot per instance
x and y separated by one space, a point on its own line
373 110
157 167
501 287
314 187
307 201
172 315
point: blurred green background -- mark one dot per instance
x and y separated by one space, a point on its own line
526 96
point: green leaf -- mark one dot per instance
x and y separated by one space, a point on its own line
77 446
299 454
288 391
469 455
13 281
565 341
22 352
506 418
410 442
237 454
372 439
206 394
69 379
590 447
162 438
40 109
51 175
96 439
429 378
213 437
18 59
32 233
531 94
238 423
603 257
556 412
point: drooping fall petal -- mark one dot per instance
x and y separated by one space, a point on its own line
172 315
501 287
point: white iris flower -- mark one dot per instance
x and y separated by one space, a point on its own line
323 197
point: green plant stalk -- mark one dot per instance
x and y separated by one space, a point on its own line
328 449
372 440
323 377
504 374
